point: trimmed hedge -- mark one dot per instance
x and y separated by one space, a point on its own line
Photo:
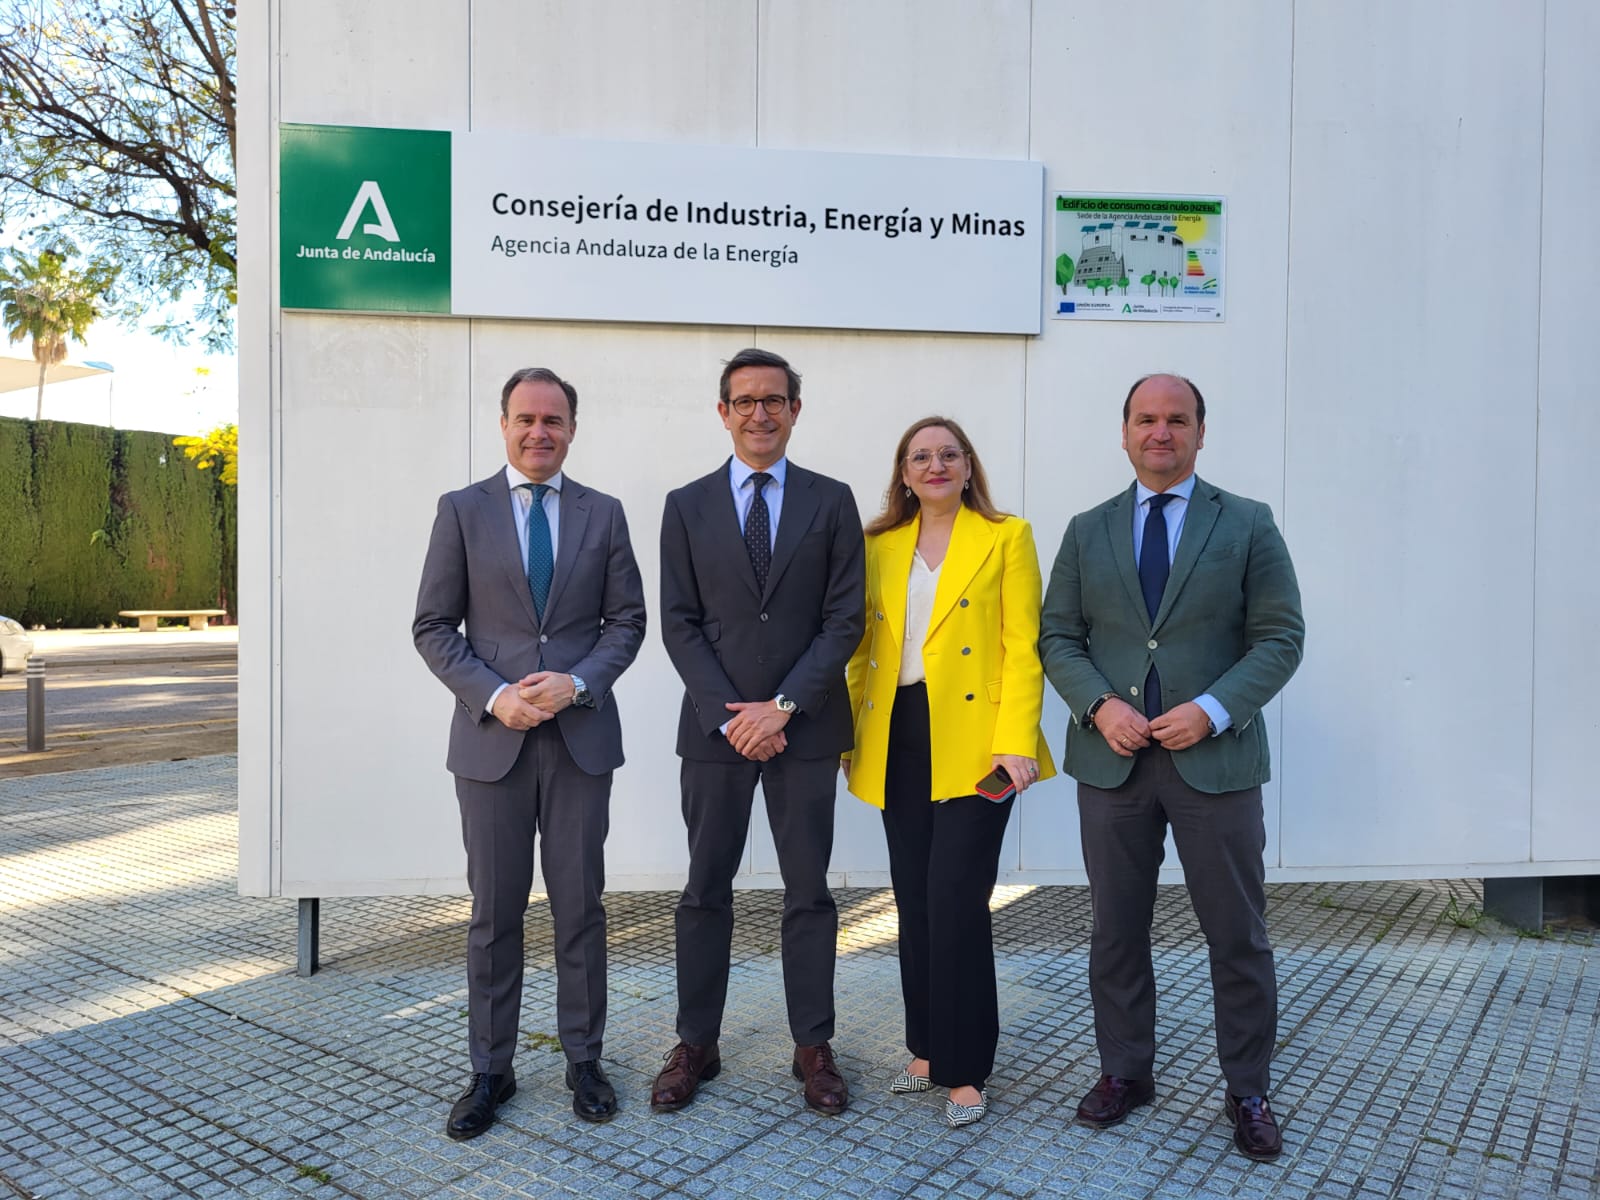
96 520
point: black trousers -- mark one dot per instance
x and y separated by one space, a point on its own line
1220 841
716 809
943 860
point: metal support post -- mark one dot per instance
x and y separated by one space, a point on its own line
310 936
35 705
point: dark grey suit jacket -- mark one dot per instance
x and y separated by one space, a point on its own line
1229 624
730 642
474 576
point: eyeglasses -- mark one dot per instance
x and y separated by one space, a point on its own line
745 405
948 456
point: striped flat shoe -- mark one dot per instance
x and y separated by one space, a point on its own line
966 1114
905 1083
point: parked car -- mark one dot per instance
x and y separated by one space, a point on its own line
15 646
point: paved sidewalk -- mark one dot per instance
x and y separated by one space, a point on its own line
109 647
155 1041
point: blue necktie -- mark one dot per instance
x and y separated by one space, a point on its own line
1154 567
541 556
758 530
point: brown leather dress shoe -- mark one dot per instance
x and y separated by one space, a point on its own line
686 1068
1255 1129
1111 1100
825 1088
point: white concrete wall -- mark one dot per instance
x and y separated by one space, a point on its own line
1403 389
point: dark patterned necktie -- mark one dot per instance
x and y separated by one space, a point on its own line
758 530
1154 567
541 555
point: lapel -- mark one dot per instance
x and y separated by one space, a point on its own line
800 504
1119 529
713 505
1197 525
971 542
495 497
892 552
575 505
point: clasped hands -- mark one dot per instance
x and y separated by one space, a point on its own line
1126 730
756 730
533 699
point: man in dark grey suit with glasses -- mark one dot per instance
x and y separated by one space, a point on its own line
762 594
530 608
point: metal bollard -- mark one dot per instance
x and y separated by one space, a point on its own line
35 704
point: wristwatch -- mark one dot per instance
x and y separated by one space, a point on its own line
1088 713
581 696
784 703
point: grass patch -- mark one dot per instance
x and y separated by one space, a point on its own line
543 1041
317 1173
1469 917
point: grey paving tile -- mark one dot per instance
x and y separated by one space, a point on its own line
155 1016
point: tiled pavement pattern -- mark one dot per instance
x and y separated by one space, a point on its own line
155 1041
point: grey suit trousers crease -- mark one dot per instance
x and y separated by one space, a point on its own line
545 796
717 799
1220 840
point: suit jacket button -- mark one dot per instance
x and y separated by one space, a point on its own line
1133 691
966 649
963 602
969 695
880 616
1151 644
763 616
873 663
544 637
869 704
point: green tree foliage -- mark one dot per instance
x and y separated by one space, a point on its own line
19 518
166 521
117 131
45 302
72 479
105 520
1147 280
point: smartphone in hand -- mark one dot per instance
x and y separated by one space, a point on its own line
997 786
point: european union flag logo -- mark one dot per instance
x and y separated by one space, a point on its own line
1067 306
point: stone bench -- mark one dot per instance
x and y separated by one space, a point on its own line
198 618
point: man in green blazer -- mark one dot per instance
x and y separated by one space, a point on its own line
1171 618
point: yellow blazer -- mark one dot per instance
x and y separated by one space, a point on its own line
981 655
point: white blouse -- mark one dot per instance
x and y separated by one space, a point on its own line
920 591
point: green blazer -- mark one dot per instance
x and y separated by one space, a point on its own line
1229 624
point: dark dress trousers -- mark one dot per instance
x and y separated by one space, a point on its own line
730 642
476 627
1229 624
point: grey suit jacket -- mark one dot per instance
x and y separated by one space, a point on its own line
476 626
1229 624
730 642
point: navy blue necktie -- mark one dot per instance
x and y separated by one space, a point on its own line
541 555
758 530
1154 567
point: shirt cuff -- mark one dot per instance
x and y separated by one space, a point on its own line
1220 720
493 696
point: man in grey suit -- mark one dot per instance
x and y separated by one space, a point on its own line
1171 618
539 571
762 592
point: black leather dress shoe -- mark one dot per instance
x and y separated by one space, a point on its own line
592 1096
1255 1129
1109 1101
474 1112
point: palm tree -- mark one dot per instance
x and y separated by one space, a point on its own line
44 301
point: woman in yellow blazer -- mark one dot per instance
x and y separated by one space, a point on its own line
946 687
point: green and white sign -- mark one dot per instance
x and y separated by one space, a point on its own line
502 225
364 218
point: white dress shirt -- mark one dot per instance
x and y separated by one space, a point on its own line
921 588
744 493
